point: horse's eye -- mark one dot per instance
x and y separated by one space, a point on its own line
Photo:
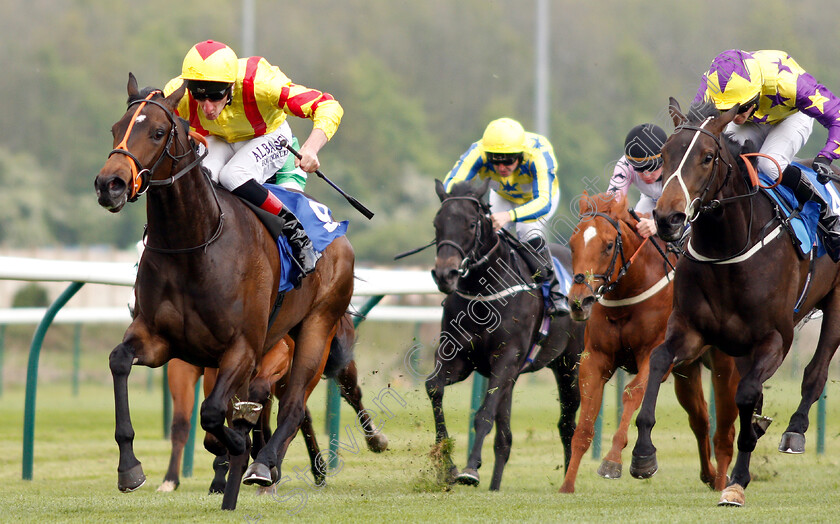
159 134
609 247
708 158
473 226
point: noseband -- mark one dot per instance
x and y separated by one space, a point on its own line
141 176
467 264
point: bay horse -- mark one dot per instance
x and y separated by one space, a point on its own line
736 288
623 289
480 271
182 378
207 292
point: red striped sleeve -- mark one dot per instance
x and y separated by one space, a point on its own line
252 111
195 123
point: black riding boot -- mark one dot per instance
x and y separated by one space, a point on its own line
804 191
303 251
538 259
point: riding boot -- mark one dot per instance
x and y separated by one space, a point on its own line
303 251
829 223
538 260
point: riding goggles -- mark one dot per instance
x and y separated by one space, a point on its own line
203 90
505 159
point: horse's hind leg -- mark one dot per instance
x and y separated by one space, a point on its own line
566 376
813 380
631 398
182 380
316 461
688 387
348 383
503 441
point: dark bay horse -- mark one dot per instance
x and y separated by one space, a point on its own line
207 291
623 290
482 276
738 288
340 365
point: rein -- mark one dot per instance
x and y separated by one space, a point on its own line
141 176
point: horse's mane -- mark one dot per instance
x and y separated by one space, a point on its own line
605 203
700 111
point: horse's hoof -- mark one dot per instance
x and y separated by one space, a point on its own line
643 467
793 443
451 475
732 496
259 474
168 486
468 477
760 424
216 489
610 469
377 443
128 481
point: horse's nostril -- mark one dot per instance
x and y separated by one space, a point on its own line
587 302
452 274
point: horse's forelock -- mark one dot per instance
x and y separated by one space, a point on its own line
143 94
464 189
700 111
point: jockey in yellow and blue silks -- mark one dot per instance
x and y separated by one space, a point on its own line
779 102
524 193
241 105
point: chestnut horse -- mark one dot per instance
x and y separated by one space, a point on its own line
491 324
623 290
207 292
341 366
736 288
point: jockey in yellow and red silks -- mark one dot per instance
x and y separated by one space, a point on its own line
240 105
779 102
524 193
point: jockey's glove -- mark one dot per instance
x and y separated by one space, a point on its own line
822 167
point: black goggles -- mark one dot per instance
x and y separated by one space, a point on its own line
213 96
504 159
650 166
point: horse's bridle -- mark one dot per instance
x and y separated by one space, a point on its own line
467 264
141 176
609 284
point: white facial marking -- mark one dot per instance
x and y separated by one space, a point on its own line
140 118
589 234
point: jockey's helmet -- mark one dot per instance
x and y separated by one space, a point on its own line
643 147
734 77
210 61
504 136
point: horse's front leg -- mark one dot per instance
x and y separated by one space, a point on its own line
133 350
348 382
311 352
447 371
182 379
688 387
503 441
681 343
565 370
502 378
765 359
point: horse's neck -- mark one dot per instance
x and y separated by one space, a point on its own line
184 214
501 270
735 226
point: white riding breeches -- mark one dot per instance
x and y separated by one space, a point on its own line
525 230
231 164
781 140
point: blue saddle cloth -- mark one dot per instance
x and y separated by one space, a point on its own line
803 224
318 223
563 277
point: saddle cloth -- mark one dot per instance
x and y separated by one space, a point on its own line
803 222
317 221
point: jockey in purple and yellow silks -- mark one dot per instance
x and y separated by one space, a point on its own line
241 105
524 190
779 102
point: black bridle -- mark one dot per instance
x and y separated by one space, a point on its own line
142 175
468 255
618 250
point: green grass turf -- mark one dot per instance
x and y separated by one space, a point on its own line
76 460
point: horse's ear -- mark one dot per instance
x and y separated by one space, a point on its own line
584 204
133 90
676 112
439 189
174 98
718 123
